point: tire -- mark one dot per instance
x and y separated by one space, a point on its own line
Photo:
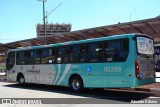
21 80
76 84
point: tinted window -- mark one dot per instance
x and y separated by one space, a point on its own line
75 54
22 57
48 56
10 60
94 52
116 51
60 55
34 56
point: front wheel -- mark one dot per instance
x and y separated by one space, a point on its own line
21 80
76 84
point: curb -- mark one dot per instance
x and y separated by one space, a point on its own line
142 89
148 89
155 90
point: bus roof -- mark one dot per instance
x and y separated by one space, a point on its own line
76 42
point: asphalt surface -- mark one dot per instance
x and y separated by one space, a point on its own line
64 92
111 96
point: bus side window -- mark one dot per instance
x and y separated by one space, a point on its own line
30 57
125 48
34 56
82 55
94 53
37 57
44 57
111 50
10 60
21 57
47 56
75 54
116 51
60 55
53 54
67 54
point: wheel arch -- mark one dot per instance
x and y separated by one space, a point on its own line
18 75
74 75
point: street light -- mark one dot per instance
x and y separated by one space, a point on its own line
131 13
44 16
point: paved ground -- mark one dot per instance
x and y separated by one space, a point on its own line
113 96
155 87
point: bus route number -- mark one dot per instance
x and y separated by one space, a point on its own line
112 69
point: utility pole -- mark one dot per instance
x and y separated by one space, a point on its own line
131 14
44 27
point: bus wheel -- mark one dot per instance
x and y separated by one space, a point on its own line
21 80
76 84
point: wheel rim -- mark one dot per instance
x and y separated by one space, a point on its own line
76 85
21 80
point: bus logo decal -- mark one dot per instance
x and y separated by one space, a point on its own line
88 69
141 75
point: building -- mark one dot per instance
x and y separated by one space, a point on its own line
52 29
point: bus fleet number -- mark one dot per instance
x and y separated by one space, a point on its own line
112 69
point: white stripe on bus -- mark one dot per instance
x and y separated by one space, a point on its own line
59 69
64 73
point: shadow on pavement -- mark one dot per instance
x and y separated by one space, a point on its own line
91 93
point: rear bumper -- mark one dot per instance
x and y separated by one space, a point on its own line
137 82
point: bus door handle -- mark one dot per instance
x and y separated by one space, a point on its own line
88 74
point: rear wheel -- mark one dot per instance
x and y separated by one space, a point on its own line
21 80
76 84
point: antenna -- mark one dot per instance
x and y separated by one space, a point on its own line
46 19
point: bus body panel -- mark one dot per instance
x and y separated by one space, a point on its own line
11 75
94 75
137 82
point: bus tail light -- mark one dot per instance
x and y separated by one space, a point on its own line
137 71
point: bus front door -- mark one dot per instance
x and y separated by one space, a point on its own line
10 66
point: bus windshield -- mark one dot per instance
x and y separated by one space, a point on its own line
145 46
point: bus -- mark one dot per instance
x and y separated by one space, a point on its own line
157 61
119 61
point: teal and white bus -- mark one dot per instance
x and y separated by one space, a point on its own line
120 61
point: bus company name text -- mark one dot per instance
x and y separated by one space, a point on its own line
34 71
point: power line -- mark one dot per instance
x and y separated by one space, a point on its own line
145 10
153 10
16 29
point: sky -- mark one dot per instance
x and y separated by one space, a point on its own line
18 18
